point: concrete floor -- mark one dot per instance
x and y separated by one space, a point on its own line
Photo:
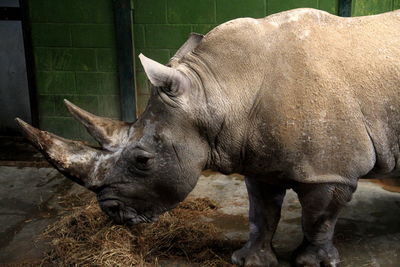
367 234
28 203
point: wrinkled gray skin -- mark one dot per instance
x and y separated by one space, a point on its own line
300 99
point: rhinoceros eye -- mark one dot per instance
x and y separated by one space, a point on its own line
139 161
142 162
164 89
170 90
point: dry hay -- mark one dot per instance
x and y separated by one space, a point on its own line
87 237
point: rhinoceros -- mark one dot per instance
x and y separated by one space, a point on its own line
301 99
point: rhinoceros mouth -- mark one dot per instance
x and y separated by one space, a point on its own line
141 219
121 214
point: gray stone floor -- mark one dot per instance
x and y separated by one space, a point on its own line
28 203
368 232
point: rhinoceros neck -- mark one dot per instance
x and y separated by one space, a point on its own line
236 65
228 105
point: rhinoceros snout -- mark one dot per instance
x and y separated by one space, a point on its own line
124 215
113 209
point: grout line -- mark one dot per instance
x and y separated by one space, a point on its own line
143 27
215 11
166 12
71 23
71 47
75 83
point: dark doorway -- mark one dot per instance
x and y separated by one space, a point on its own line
16 98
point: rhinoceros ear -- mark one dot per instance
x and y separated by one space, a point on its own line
191 43
161 75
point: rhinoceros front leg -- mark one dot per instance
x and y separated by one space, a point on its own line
264 214
321 204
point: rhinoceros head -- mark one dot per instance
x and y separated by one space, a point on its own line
141 169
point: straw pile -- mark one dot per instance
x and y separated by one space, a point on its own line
87 237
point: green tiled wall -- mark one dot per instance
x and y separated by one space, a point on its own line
75 51
370 7
75 56
162 26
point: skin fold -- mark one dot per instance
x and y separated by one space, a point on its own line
301 99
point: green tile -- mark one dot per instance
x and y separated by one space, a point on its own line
92 83
74 11
191 11
39 9
59 106
88 103
166 36
79 59
106 59
46 105
330 6
370 7
109 84
142 84
45 34
396 4
93 35
109 106
55 82
231 9
52 11
160 55
64 127
203 28
150 11
90 11
43 58
275 6
87 83
138 36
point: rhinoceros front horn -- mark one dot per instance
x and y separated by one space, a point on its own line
109 133
72 158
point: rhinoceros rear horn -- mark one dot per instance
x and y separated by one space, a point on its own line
161 75
109 133
72 158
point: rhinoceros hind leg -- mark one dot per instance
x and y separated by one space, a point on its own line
321 204
264 214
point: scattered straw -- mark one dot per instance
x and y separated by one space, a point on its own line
87 237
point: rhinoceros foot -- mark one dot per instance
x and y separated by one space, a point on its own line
256 257
315 256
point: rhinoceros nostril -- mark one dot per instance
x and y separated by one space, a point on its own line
114 209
